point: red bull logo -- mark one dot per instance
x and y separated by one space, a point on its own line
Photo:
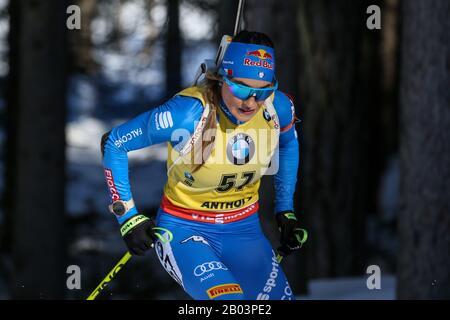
260 53
262 56
259 63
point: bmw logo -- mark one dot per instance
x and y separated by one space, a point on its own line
240 149
266 115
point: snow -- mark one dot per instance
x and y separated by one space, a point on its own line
83 96
195 24
83 140
390 189
86 189
4 47
352 288
159 14
193 56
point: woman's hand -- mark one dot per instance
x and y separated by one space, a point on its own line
138 234
292 237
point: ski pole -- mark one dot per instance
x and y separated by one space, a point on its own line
110 276
237 24
122 262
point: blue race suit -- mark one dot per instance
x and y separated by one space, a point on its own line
210 261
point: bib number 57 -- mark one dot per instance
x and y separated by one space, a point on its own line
228 181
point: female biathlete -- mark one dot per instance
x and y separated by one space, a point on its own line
223 135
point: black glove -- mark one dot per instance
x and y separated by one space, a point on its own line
138 234
292 237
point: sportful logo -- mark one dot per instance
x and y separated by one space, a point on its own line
208 267
163 120
271 281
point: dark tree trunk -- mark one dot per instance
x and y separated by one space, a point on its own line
81 46
278 20
338 90
37 116
173 49
226 11
389 109
424 224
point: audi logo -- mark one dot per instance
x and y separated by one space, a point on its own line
208 266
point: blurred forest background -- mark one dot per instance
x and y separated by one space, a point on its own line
374 180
